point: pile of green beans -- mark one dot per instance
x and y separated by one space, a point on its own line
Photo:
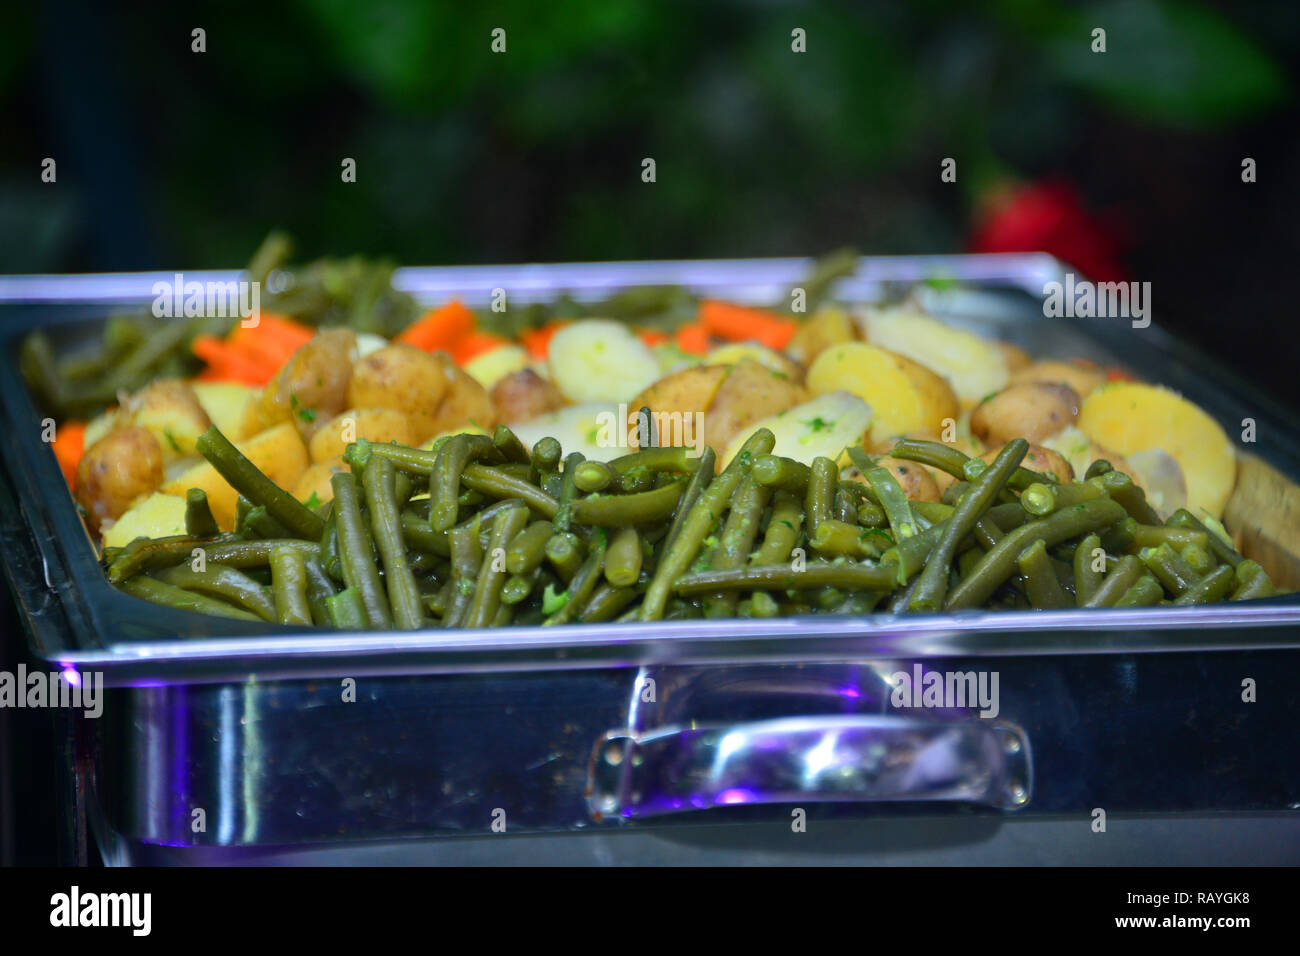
482 531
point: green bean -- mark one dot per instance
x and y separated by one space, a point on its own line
1041 498
1121 488
289 582
546 455
250 554
519 586
168 595
222 581
245 477
1087 579
1099 467
636 480
418 536
386 529
1197 558
897 509
669 458
346 611
783 530
199 522
839 539
590 476
415 461
615 511
1120 578
1119 537
563 517
932 511
737 539
319 590
444 483
1222 550
145 554
1214 586
623 559
998 564
1252 582
487 590
780 577
258 523
932 587
678 557
356 554
935 455
783 473
564 552
583 584
1169 568
694 488
528 549
820 494
466 559
607 602
1041 584
509 446
1145 592
494 484
1150 536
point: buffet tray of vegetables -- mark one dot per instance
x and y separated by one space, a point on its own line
478 468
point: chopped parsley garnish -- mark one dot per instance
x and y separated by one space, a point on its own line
313 501
171 439
306 414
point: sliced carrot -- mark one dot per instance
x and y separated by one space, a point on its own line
231 364
69 445
442 329
476 344
694 338
652 337
738 323
1117 374
273 340
538 341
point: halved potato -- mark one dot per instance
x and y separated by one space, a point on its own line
158 516
750 392
1133 418
227 404
170 410
1032 410
372 424
823 426
685 394
973 366
826 327
768 358
600 360
279 452
905 397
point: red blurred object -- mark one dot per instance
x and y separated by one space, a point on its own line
1049 217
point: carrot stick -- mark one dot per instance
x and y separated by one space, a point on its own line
694 338
230 364
69 445
476 344
652 337
538 341
440 329
742 324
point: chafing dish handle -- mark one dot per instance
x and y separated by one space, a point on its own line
862 758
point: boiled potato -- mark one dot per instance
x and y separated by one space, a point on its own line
99 426
915 480
1015 357
973 366
227 405
1033 411
316 480
1039 459
688 390
465 402
1133 418
313 385
492 366
523 395
821 427
768 358
749 392
405 378
171 411
600 360
591 428
158 516
828 326
1081 375
904 396
124 465
279 452
372 424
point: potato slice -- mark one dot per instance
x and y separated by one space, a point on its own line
689 390
823 426
600 360
750 392
904 396
972 365
1132 418
826 327
372 424
591 428
227 404
279 452
158 516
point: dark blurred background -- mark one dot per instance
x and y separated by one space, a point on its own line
1126 163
